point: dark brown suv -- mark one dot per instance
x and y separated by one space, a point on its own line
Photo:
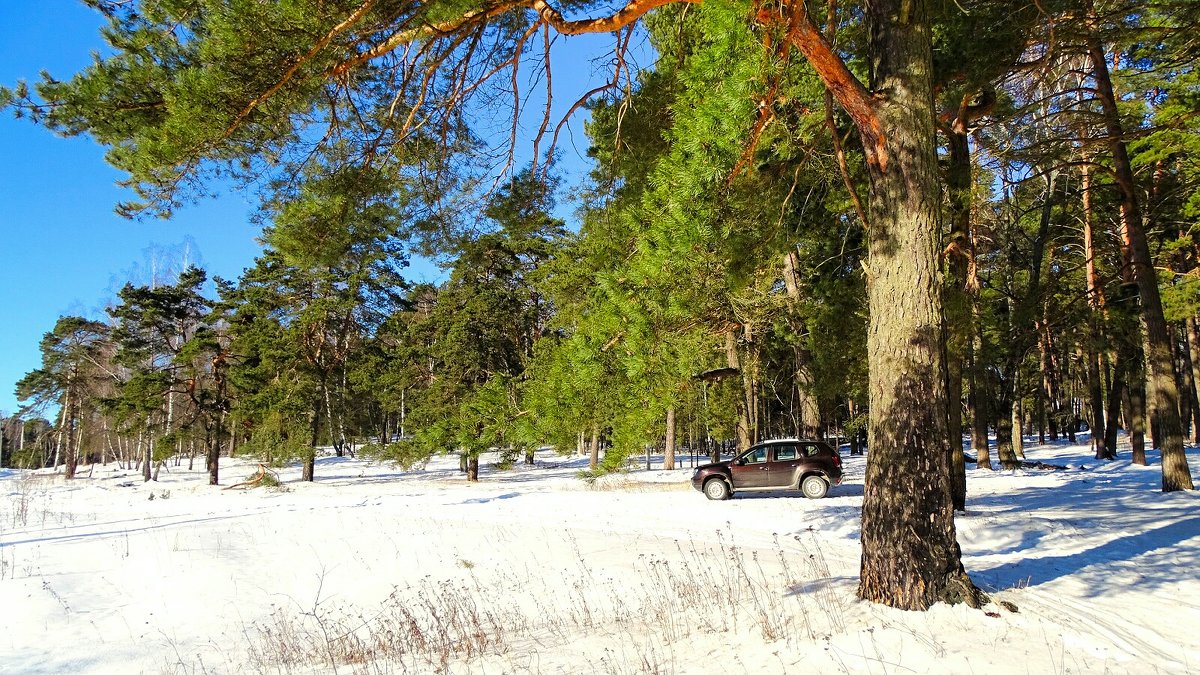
808 466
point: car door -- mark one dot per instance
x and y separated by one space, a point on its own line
782 467
750 469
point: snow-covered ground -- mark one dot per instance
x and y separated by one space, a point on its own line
376 570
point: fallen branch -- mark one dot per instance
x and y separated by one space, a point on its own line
1026 464
255 480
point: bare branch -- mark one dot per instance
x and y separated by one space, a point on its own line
549 98
851 95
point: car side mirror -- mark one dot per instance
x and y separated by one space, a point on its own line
741 462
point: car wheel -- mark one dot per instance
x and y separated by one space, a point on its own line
716 489
814 487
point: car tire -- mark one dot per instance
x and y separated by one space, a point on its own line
814 487
716 489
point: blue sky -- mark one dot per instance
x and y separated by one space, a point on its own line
64 251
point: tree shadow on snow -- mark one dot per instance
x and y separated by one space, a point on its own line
1156 554
1085 505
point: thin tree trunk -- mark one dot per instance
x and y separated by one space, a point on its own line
1018 428
743 406
669 444
1185 383
334 431
1050 382
310 454
1135 415
1193 335
809 412
62 428
70 460
146 441
1095 387
1153 422
958 300
594 449
1095 293
979 406
473 468
213 456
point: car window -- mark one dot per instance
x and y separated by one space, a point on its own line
811 450
755 456
785 453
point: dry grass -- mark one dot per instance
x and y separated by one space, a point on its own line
458 626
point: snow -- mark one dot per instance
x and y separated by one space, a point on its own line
376 570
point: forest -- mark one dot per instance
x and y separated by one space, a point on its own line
914 222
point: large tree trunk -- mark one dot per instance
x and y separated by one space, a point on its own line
910 554
1175 472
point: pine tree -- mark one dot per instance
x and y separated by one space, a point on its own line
75 358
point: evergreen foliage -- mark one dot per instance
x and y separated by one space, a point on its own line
914 210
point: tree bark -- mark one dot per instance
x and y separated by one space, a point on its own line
910 554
